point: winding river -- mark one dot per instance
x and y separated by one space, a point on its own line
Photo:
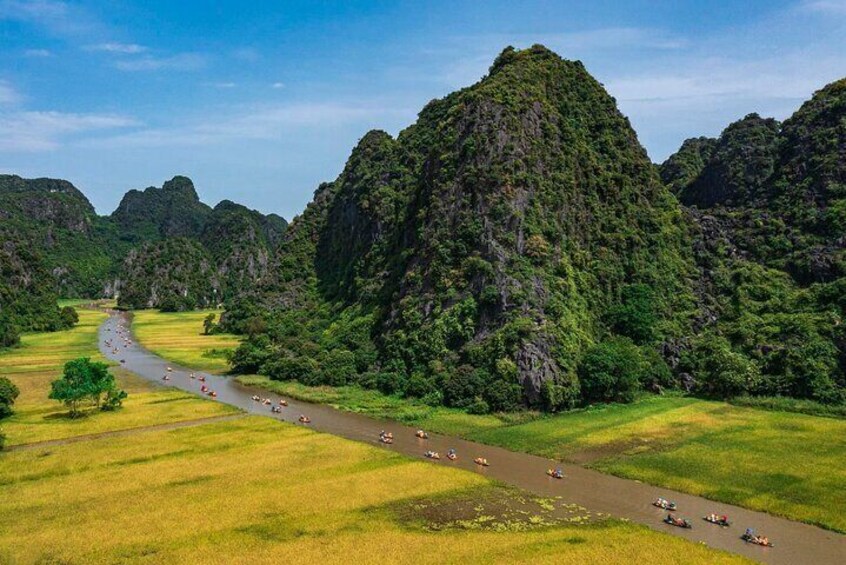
795 542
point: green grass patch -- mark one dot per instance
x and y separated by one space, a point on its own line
178 337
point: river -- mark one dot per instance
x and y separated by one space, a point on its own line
795 542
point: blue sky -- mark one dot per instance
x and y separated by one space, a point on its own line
259 104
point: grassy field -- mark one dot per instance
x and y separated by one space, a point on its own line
39 360
783 463
178 336
255 490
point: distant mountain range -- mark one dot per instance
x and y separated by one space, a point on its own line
515 246
162 247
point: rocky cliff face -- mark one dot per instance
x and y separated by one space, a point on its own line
195 256
27 299
495 233
780 185
769 241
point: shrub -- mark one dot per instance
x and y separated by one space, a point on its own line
9 336
718 370
390 382
611 371
338 367
68 317
478 406
564 396
290 369
208 324
8 393
418 386
464 386
251 355
503 396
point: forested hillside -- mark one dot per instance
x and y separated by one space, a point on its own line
162 247
477 259
767 209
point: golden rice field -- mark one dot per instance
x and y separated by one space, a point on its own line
178 337
39 361
254 490
778 462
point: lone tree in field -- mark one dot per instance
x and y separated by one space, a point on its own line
208 324
85 380
8 393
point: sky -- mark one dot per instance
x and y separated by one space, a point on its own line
259 104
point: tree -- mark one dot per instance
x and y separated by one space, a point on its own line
611 371
720 371
255 326
8 393
9 335
68 317
635 316
83 380
208 324
338 367
464 386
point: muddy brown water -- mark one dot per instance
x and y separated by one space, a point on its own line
795 542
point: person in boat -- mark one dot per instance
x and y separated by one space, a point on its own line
558 473
750 533
451 454
422 435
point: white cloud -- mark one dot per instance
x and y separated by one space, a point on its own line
825 6
466 69
224 85
261 122
41 131
277 85
247 54
8 95
58 18
114 47
37 53
179 62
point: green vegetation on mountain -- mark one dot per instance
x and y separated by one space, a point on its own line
513 248
174 210
478 257
161 247
27 298
770 250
